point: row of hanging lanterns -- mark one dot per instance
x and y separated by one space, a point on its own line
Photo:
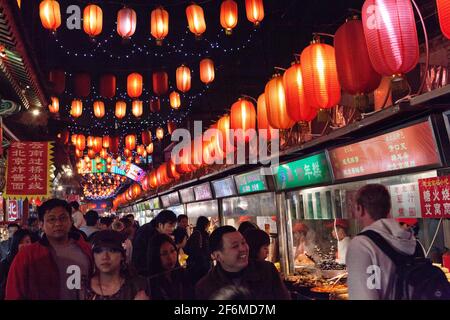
50 15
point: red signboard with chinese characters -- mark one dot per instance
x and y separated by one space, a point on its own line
435 197
28 170
409 147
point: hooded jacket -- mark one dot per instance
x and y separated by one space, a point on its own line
371 274
34 274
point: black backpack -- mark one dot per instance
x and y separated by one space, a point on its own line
416 277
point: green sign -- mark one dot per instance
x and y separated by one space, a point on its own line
303 172
102 168
251 182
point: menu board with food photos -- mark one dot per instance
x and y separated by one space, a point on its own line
154 203
224 188
203 192
174 198
187 195
165 201
409 147
251 182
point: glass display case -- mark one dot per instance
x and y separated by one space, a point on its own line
209 209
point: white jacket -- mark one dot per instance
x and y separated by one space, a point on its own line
371 274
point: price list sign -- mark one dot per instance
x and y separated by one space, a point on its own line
405 200
28 170
251 182
409 147
435 197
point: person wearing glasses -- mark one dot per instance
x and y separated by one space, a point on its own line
54 267
112 278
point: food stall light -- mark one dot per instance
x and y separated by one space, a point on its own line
60 188
35 112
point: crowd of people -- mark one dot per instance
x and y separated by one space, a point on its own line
65 255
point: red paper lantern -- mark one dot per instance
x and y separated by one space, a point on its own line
146 137
90 141
130 141
162 175
225 142
228 15
149 148
97 145
50 14
76 108
78 153
175 101
207 71
153 179
160 83
172 171
355 71
99 109
319 73
136 190
159 24
196 19
114 145
443 7
128 154
155 105
134 85
126 22
298 108
80 142
140 150
255 11
160 133
183 77
103 153
108 86
106 142
82 84
171 126
91 153
57 79
391 36
276 104
73 139
137 108
54 106
243 117
264 128
92 20
121 109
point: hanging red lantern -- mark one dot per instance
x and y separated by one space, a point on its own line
91 153
159 24
171 126
106 142
276 104
114 145
149 148
160 133
153 179
391 36
121 109
78 153
92 20
76 108
97 145
103 153
73 139
146 137
175 101
108 86
207 71
57 79
162 175
355 71
50 14
54 106
126 22
82 84
99 109
90 141
134 85
196 19
320 81
127 153
443 8
137 108
145 183
136 190
225 140
255 11
243 117
155 105
160 82
228 15
183 77
298 108
80 142
264 128
130 141
172 171
183 163
140 150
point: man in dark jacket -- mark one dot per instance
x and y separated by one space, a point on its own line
164 222
233 268
54 267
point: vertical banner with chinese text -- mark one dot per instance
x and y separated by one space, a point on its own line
435 197
28 170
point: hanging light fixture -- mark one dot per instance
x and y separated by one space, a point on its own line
196 19
126 22
134 85
175 100
54 106
160 133
146 137
207 71
160 83
99 109
50 14
121 109
80 142
149 148
264 129
130 142
183 77
106 142
228 15
243 117
137 108
108 86
255 11
92 20
159 24
76 108
276 104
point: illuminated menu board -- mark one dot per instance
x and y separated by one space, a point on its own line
224 187
409 147
187 195
174 198
203 192
154 203
251 182
165 201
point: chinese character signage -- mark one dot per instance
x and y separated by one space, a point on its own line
28 170
405 200
409 147
203 192
435 197
251 182
13 210
303 172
